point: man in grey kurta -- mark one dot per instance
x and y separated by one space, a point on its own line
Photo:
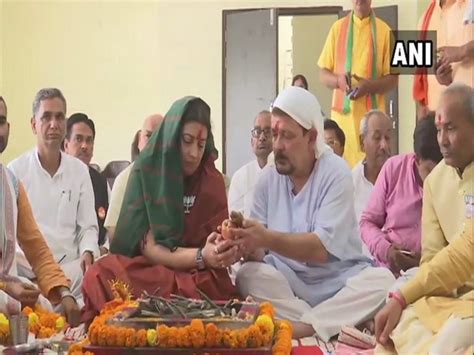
314 271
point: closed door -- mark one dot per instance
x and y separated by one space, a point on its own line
249 80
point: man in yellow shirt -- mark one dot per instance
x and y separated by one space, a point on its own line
455 41
447 322
450 184
448 210
358 44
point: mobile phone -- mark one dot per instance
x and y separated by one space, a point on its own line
352 93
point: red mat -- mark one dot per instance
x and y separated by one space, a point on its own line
307 350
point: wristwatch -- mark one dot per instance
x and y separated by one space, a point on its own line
201 265
66 293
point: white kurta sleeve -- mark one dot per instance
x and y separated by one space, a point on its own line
88 230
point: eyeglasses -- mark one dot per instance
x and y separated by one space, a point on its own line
333 142
257 131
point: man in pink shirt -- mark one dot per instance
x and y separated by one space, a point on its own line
391 223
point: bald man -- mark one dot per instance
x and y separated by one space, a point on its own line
244 180
150 125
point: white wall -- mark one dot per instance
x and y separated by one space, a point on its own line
121 60
285 51
309 37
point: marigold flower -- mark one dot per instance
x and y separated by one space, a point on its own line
45 332
163 335
268 309
27 310
4 320
254 337
183 338
242 338
211 335
121 336
111 339
284 335
141 338
197 333
151 337
4 333
172 337
60 324
103 334
265 323
130 338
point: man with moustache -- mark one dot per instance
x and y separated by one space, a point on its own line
243 182
79 142
449 189
375 141
18 227
314 271
60 190
448 210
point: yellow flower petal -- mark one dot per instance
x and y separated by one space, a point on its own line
151 337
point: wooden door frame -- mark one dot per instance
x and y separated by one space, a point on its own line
284 11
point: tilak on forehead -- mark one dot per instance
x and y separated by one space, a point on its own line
440 119
201 134
277 125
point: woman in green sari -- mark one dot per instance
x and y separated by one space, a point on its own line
166 240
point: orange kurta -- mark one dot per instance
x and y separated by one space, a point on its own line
49 274
450 31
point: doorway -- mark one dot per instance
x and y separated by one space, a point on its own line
262 50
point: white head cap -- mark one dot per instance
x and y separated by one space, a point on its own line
304 108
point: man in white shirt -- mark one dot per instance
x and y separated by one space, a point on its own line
60 191
244 180
469 16
375 140
150 125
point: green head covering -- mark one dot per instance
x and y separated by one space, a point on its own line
155 190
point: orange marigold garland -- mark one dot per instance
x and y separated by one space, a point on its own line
263 332
121 336
213 336
43 323
141 338
268 309
163 335
284 335
197 333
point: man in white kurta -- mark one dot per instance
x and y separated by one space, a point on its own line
314 272
375 136
60 191
244 180
18 227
